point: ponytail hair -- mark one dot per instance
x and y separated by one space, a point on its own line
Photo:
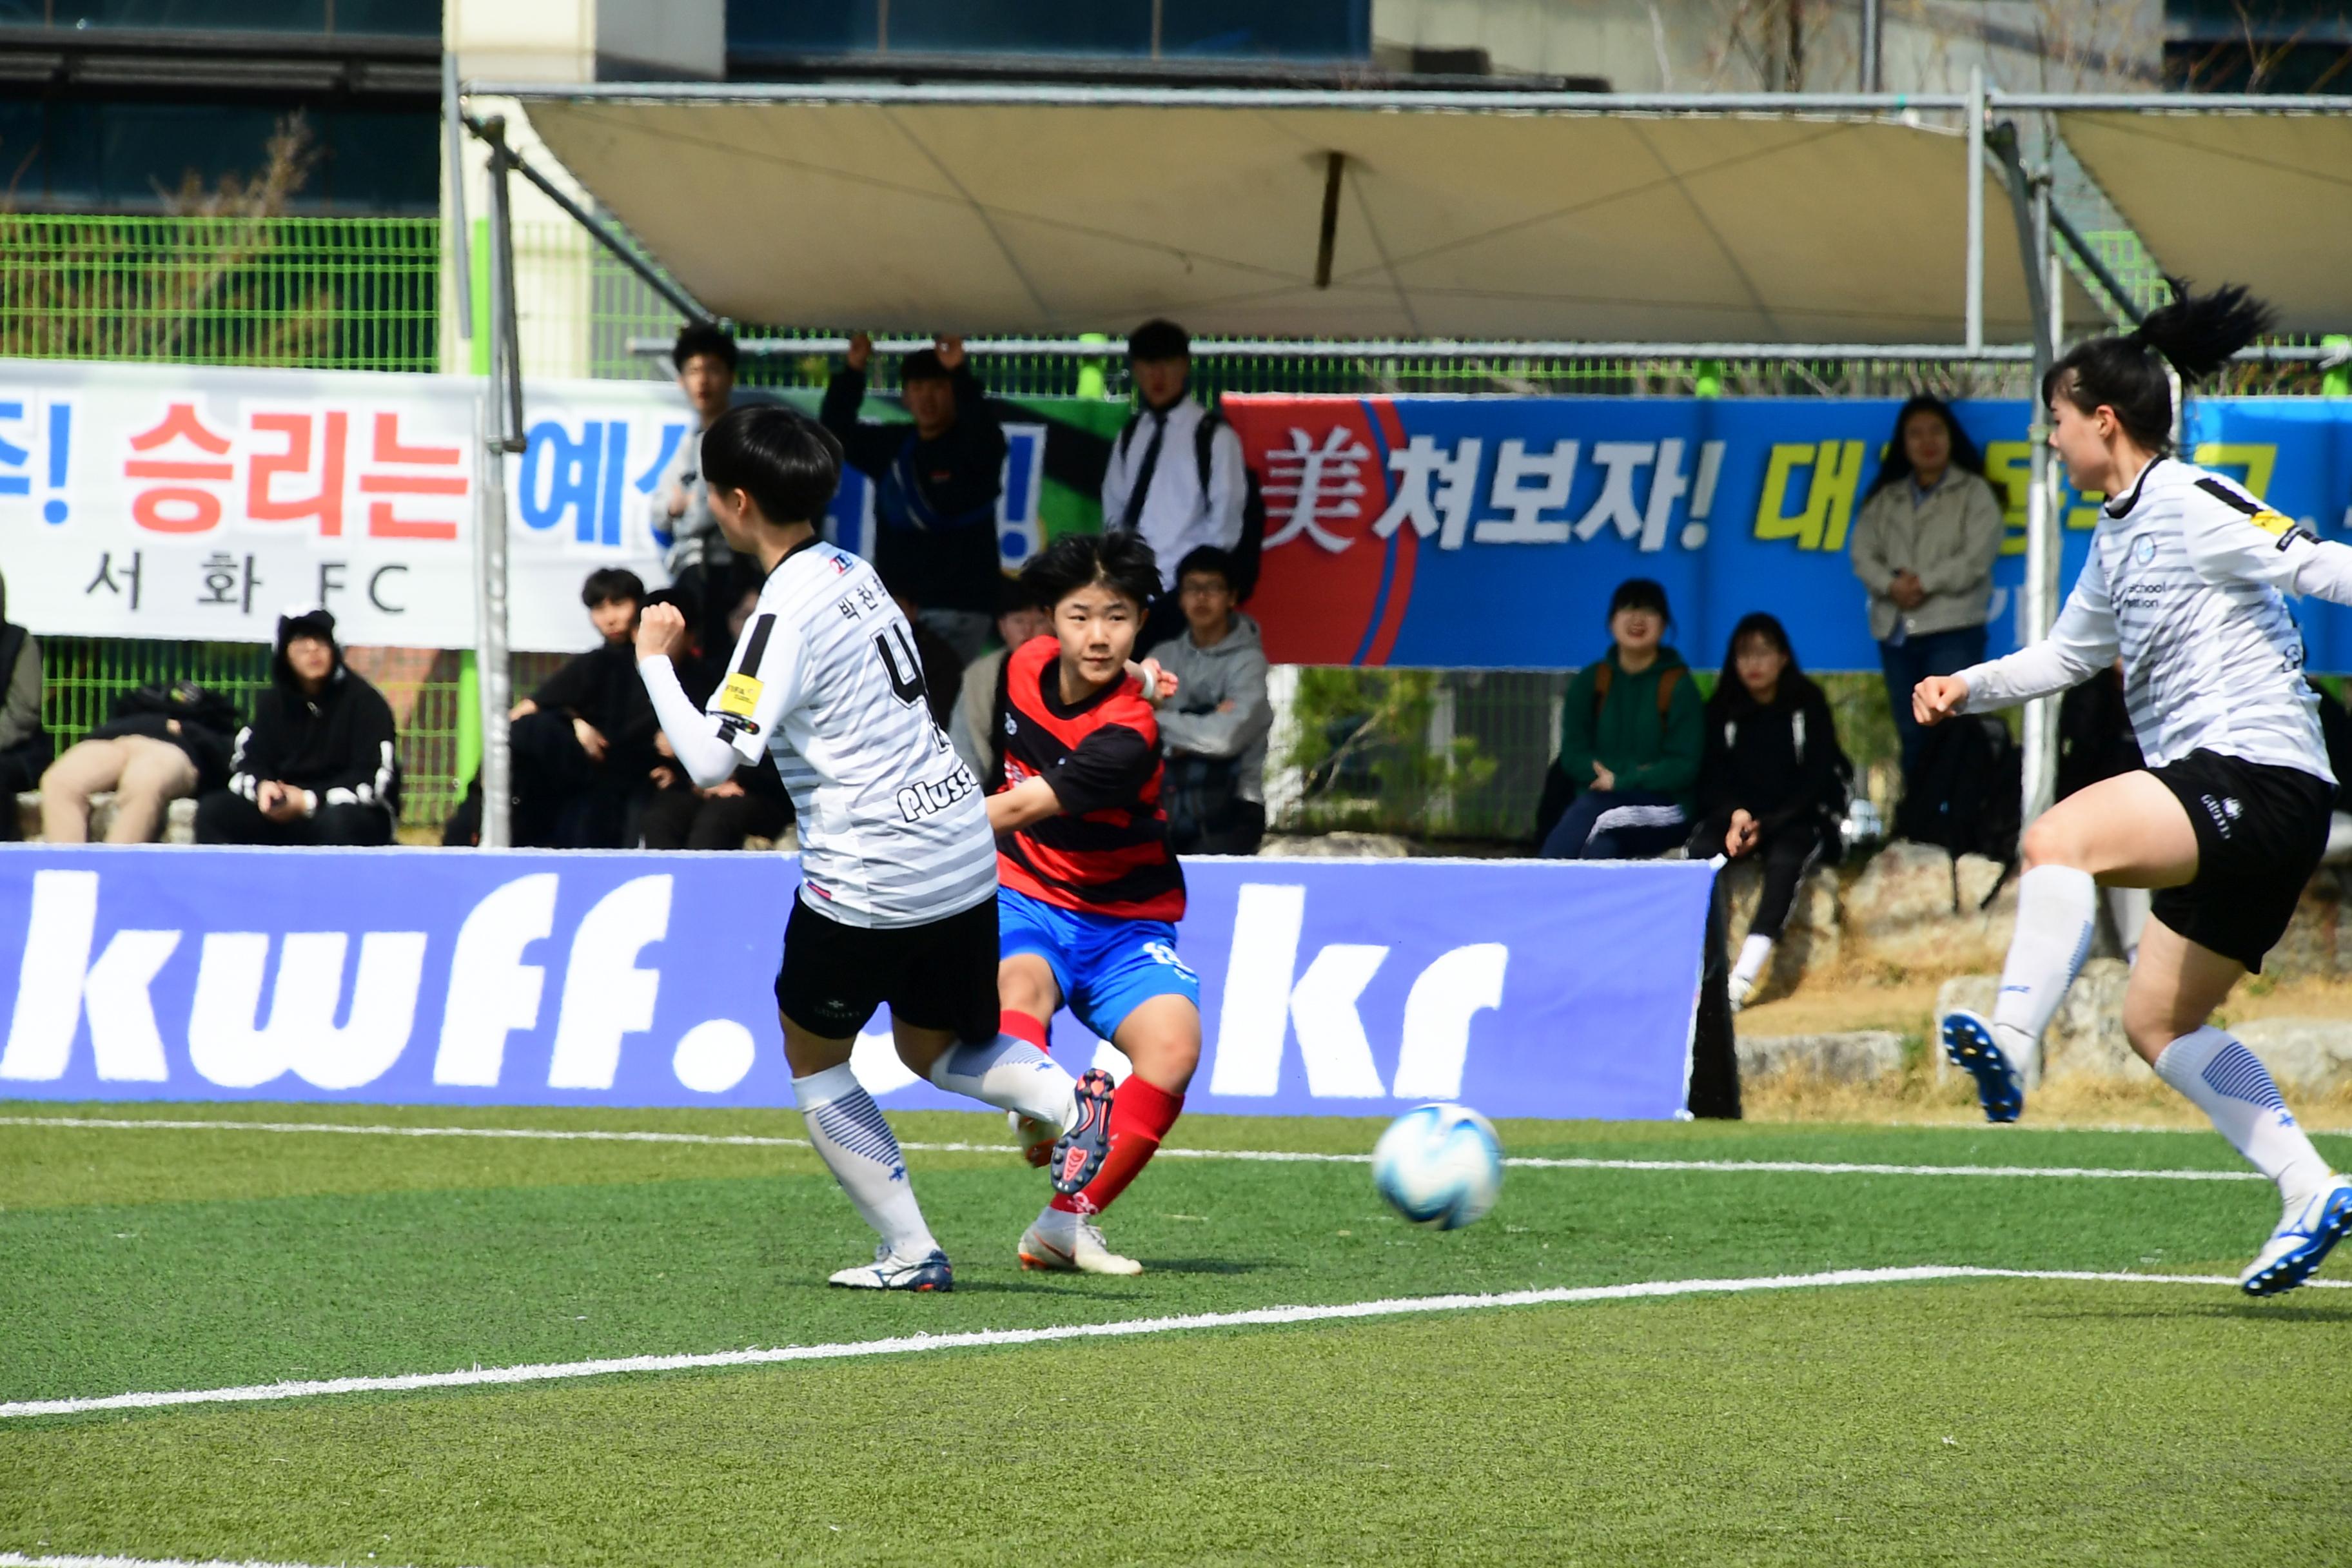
2196 334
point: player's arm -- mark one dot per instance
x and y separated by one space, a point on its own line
1030 801
2081 643
2231 536
733 730
1108 768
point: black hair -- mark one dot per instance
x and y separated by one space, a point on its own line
1015 595
785 461
1731 697
703 338
2196 332
1206 558
1159 338
1640 594
688 603
607 584
923 364
1122 559
1896 466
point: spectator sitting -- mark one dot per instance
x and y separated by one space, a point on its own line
2094 742
1923 544
1772 782
976 723
697 557
1214 728
1631 735
163 742
24 745
319 762
1176 474
678 814
935 487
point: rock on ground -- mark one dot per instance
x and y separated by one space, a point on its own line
1861 1056
2085 1040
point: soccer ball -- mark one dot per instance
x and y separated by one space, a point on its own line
1439 1165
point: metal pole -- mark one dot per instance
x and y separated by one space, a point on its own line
502 428
2064 228
505 359
453 142
1440 349
1974 337
2042 540
1871 18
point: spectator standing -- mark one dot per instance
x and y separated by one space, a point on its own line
698 558
976 723
319 764
1771 783
1214 728
935 487
1631 732
163 742
1923 544
24 748
1176 474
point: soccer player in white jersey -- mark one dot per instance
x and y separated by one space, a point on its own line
2229 820
897 892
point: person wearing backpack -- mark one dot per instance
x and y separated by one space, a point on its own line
1631 734
1772 782
1177 477
936 484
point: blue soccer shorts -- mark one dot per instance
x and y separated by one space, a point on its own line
1105 966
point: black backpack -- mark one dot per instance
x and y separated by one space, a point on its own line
1251 546
1964 793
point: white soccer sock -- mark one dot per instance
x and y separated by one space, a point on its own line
1754 954
2231 1085
2056 909
862 1152
1011 1075
2127 908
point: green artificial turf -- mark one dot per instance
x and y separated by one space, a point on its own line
1966 1421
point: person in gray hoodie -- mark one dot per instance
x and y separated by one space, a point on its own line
1214 728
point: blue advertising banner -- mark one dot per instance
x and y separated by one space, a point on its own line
1483 531
1526 988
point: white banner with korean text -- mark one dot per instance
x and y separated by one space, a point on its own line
199 502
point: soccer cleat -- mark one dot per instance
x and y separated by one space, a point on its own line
1066 1244
891 1273
1078 1153
2307 1232
1035 1138
1969 1045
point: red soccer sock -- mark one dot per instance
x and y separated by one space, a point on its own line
1140 1116
1022 1027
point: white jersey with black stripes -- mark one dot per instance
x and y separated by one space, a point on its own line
893 828
2185 581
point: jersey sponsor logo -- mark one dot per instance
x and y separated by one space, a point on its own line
740 697
919 801
2224 813
2143 549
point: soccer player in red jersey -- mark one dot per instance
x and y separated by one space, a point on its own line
1088 891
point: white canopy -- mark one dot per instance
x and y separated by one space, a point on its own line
1465 220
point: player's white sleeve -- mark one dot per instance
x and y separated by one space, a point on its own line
703 750
734 729
2081 643
2232 536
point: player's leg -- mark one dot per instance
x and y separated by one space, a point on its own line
2174 988
1035 948
2131 830
829 985
1785 856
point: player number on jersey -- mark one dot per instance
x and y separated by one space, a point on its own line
898 658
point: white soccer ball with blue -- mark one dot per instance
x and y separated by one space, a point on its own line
1439 1165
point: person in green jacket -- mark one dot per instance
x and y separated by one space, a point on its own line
1632 730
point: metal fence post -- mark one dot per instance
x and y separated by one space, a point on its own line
502 430
1974 306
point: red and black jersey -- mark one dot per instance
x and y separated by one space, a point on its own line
1107 853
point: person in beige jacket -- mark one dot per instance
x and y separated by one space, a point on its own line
1924 545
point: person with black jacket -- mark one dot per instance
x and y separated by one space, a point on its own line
163 742
936 484
320 764
24 748
1772 780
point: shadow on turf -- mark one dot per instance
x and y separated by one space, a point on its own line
2299 1310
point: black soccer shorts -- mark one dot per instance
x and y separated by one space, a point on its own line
939 975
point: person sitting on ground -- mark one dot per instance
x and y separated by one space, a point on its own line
1772 782
936 484
678 813
1214 729
1630 736
1177 476
163 743
698 558
25 749
976 723
2094 742
320 764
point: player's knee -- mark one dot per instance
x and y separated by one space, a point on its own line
2049 842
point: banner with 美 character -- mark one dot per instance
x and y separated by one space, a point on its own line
1437 531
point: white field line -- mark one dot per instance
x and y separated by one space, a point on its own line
1284 1156
1256 1316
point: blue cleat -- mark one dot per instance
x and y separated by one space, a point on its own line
2306 1235
889 1273
1969 1046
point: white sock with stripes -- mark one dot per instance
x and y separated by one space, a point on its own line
2057 908
2231 1085
1010 1074
862 1152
